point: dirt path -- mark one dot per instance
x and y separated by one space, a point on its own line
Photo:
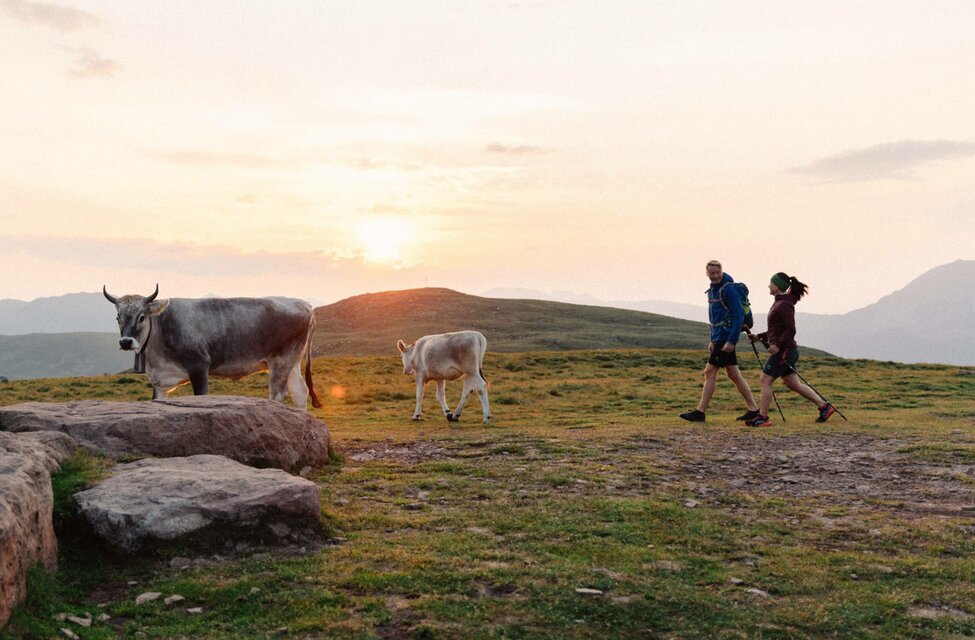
851 470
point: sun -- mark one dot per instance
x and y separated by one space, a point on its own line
383 237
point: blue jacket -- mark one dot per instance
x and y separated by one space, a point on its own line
728 318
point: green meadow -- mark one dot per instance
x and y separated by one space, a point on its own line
587 509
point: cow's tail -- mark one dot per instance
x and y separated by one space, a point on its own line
311 387
315 402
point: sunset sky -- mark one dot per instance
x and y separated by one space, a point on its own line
325 149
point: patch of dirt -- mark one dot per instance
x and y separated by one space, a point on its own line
854 468
356 451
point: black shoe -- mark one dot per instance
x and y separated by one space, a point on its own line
748 415
759 421
693 415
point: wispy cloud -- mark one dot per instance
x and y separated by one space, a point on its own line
894 160
91 65
52 16
520 150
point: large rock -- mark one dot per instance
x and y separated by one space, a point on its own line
26 510
199 500
253 431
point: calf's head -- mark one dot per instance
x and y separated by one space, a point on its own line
133 317
407 353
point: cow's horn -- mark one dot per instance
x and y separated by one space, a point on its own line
153 296
109 296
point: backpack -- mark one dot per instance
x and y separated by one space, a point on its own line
746 306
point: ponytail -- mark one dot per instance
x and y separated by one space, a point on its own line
791 283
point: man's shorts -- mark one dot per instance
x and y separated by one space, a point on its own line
778 365
721 358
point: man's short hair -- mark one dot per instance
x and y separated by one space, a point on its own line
714 263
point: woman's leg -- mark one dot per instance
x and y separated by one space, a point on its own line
792 381
766 398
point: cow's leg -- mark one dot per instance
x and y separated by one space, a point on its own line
464 395
481 387
442 398
200 381
419 396
277 382
297 388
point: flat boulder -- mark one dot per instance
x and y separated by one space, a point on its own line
202 501
26 509
253 431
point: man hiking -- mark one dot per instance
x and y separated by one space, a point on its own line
727 317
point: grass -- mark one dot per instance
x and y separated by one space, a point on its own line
585 479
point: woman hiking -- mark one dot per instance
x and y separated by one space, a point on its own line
780 340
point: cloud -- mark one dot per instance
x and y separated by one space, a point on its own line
894 160
90 65
521 150
125 265
53 16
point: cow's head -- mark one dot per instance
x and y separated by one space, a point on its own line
133 317
407 352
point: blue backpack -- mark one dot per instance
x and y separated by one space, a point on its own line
746 306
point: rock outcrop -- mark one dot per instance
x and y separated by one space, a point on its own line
26 509
252 431
201 500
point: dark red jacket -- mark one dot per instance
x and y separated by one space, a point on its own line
781 322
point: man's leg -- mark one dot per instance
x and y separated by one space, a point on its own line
710 381
746 392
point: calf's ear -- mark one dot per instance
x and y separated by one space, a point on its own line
157 307
401 346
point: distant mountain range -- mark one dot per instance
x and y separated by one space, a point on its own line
926 321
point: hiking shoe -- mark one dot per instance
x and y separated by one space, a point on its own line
748 415
825 412
759 421
693 415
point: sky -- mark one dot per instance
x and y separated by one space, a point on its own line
326 149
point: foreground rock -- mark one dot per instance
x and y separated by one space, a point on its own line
253 431
26 509
202 500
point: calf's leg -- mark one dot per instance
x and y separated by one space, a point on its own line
442 398
419 396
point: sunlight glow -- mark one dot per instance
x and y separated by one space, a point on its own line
382 238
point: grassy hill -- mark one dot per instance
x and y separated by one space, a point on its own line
371 324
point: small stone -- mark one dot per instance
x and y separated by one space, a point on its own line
255 590
414 506
61 617
173 599
104 617
280 529
585 591
180 563
195 610
736 581
304 472
690 504
854 576
757 592
84 622
68 633
149 596
133 583
340 502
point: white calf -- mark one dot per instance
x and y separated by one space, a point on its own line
448 356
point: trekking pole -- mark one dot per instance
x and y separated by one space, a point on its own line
759 358
806 382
